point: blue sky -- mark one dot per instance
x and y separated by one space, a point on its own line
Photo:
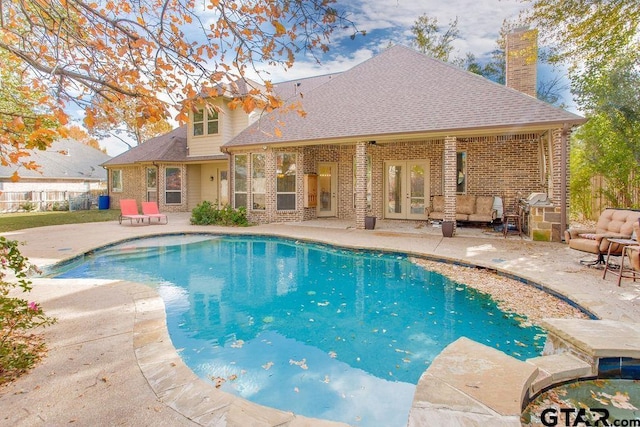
390 21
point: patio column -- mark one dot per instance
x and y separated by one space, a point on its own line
450 178
270 169
361 183
560 178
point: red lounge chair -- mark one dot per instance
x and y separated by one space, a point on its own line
150 209
129 210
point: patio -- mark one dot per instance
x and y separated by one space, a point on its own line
110 359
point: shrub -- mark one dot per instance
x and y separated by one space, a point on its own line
28 206
60 206
19 349
208 214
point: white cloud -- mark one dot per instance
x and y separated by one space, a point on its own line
390 21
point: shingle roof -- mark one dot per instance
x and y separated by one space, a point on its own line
64 159
401 91
298 88
170 147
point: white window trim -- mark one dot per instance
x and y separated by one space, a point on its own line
166 190
294 192
254 193
205 122
246 178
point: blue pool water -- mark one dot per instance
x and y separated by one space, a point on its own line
316 330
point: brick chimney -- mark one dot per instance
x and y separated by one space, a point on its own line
521 60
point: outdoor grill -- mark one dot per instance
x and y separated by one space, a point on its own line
535 199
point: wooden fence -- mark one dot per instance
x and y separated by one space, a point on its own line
594 201
21 201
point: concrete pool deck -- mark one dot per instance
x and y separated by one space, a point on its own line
110 360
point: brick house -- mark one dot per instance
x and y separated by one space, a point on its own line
380 139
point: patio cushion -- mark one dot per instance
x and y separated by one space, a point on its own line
484 205
465 204
438 203
484 210
590 236
617 221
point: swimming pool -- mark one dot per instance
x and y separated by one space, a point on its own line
313 329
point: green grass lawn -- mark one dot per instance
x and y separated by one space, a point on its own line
19 221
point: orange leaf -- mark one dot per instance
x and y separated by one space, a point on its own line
89 120
248 105
18 123
280 29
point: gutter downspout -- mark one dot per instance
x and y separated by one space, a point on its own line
157 181
563 180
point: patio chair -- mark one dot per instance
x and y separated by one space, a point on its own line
151 210
129 210
612 223
512 216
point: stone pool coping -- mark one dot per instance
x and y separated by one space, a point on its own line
470 384
553 265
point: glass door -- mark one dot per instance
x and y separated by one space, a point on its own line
327 185
407 189
395 189
417 180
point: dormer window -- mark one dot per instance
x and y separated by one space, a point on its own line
205 122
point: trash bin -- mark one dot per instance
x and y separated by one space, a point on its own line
103 202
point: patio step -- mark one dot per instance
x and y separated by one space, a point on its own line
471 384
557 368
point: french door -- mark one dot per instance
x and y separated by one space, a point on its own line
327 189
406 189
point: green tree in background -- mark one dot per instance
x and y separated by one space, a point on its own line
591 32
609 144
599 42
433 40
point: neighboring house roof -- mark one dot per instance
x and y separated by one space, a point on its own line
403 92
65 159
168 148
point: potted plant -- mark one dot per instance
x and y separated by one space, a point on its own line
369 222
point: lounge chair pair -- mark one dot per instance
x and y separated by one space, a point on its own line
129 210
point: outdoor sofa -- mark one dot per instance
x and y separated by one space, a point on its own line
468 208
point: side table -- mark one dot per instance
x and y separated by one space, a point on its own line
622 271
